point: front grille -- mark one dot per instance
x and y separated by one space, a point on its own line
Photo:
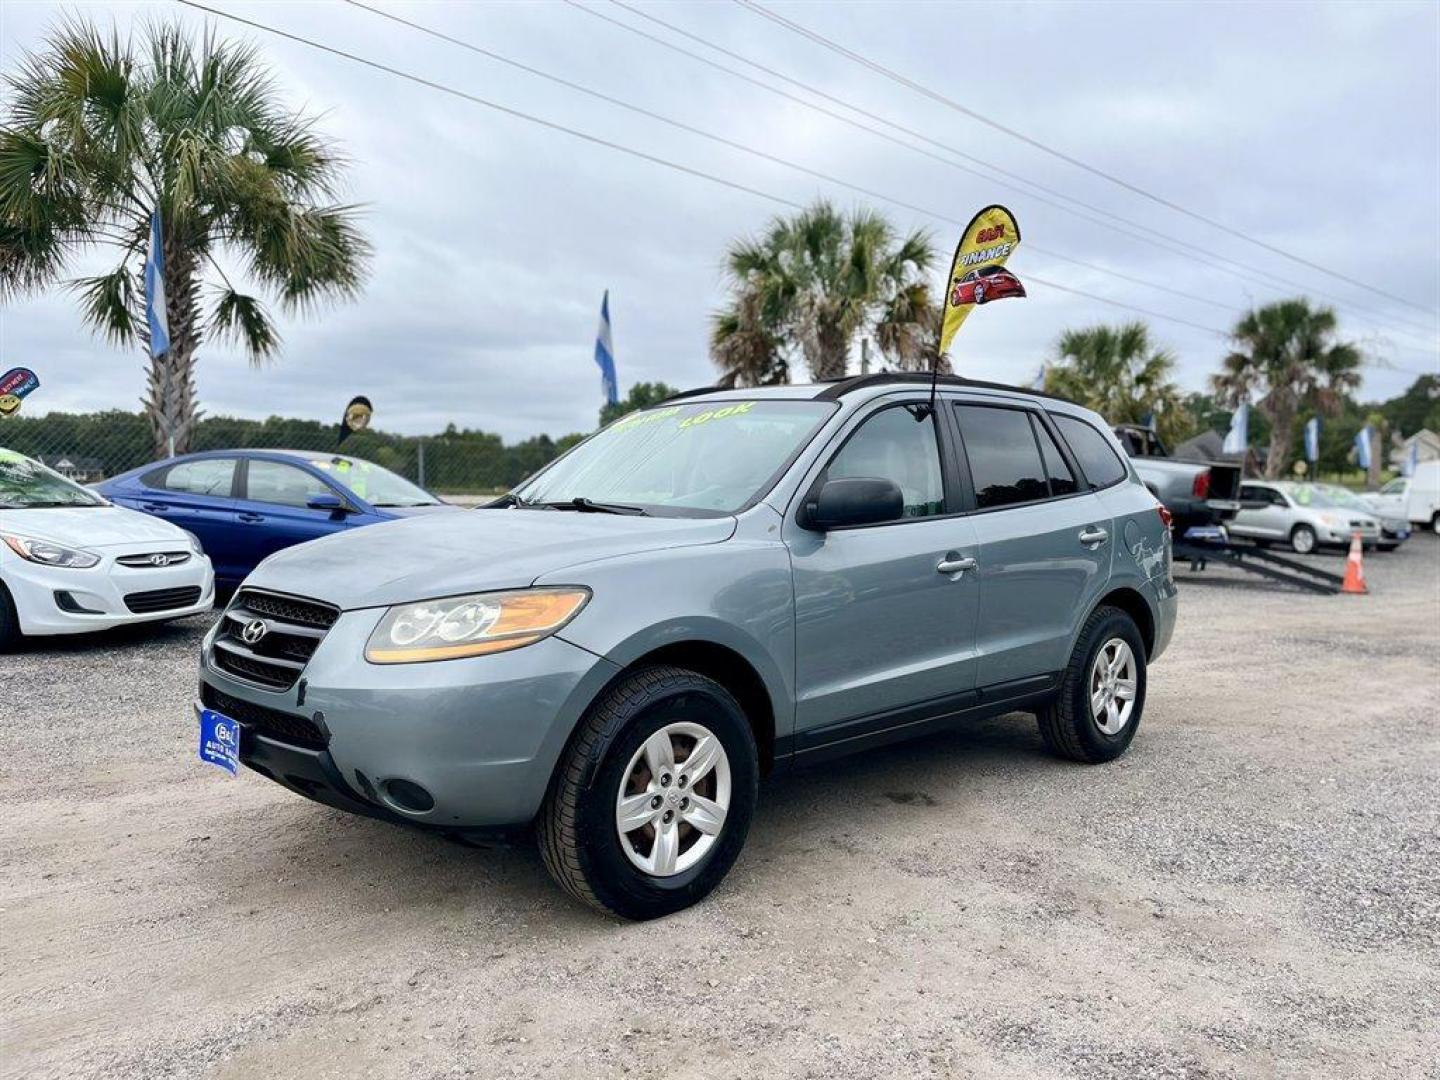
267 639
155 559
147 603
263 720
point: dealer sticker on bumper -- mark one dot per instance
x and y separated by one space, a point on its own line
220 740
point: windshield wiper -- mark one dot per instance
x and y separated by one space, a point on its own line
589 506
401 506
508 499
47 505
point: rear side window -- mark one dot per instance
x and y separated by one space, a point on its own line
1062 480
1004 458
208 476
1097 457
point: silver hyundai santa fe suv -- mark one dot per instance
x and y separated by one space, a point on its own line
699 594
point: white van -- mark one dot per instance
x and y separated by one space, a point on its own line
1415 498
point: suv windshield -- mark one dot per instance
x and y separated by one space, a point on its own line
26 484
710 458
368 481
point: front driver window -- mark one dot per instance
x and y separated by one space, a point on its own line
893 445
283 485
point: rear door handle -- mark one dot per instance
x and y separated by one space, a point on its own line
1093 535
948 565
252 517
154 508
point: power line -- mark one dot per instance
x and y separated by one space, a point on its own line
764 156
1174 245
919 88
654 159
507 110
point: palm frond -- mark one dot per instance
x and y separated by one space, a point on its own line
243 320
109 302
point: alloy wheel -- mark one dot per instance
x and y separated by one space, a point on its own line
1112 686
673 799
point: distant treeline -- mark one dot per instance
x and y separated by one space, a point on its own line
454 460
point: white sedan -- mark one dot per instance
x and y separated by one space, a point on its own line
71 561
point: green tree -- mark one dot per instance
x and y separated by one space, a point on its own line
813 284
1122 375
98 133
1418 407
641 396
1288 356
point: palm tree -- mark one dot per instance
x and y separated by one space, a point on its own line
1119 373
97 134
1288 357
811 285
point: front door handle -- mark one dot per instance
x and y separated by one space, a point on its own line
1094 535
948 565
251 518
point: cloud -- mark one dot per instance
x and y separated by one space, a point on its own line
1315 129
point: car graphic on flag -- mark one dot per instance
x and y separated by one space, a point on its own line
986 283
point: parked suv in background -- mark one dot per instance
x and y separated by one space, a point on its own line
700 593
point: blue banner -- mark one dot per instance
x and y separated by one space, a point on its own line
219 741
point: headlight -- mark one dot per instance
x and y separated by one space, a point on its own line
48 554
471 625
195 544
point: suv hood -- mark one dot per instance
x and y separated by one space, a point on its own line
92 527
448 554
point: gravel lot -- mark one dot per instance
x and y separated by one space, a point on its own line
1253 891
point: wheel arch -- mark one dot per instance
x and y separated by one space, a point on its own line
729 668
1134 604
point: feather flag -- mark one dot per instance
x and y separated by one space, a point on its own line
1312 439
155 301
1407 467
605 354
1237 440
1362 447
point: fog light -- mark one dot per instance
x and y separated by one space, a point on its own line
409 796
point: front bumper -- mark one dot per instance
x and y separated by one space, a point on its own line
1342 534
480 736
101 591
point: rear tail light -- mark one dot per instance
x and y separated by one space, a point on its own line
1201 488
1166 518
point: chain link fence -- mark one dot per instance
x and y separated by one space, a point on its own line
461 465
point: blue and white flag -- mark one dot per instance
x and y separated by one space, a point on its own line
1238 438
155 308
1362 447
1148 420
1038 383
1312 439
1407 467
605 354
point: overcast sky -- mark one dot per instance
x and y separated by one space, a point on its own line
1313 128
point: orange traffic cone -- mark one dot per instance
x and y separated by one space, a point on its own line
1354 569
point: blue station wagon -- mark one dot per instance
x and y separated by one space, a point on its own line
246 504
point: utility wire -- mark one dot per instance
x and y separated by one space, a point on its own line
474 99
926 91
1172 244
507 110
746 149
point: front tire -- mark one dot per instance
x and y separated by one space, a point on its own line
1102 691
626 827
1303 540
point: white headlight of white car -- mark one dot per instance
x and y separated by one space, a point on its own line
48 554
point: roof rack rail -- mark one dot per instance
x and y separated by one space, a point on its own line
693 393
838 388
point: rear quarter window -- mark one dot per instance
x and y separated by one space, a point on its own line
1097 457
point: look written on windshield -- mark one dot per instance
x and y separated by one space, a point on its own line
690 459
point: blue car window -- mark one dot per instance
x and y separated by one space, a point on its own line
281 484
207 476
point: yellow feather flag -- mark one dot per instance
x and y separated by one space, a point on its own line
977 273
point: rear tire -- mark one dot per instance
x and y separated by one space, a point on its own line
607 761
9 621
1303 540
1071 725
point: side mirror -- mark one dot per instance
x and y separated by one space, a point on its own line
857 500
335 505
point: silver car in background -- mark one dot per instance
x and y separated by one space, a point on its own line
1302 515
1394 529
